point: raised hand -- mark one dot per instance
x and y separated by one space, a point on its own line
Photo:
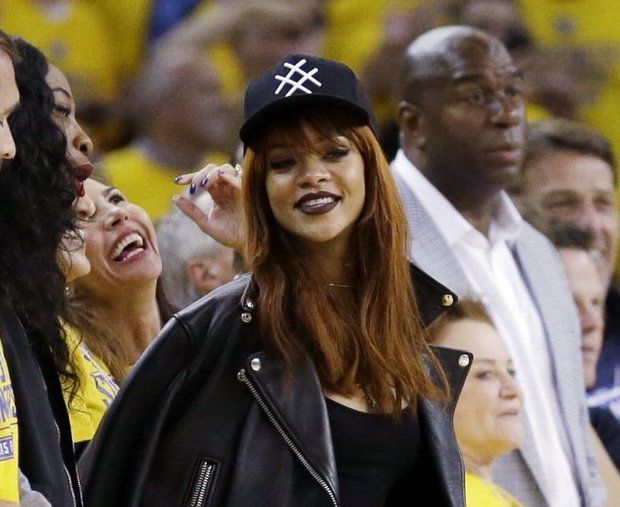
224 222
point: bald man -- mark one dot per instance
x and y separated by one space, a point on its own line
462 123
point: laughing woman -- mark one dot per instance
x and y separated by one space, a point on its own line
308 382
118 306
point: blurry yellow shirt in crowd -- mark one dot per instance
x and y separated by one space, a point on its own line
129 22
481 493
592 25
96 390
144 181
9 462
77 39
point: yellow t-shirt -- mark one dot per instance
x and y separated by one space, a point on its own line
480 493
9 462
144 181
77 39
95 394
129 22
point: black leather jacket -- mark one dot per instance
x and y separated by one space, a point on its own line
208 418
46 454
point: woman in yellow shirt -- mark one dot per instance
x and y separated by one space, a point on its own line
487 419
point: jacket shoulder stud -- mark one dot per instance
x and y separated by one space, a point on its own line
246 317
255 364
463 360
447 300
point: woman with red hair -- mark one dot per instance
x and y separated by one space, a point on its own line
309 381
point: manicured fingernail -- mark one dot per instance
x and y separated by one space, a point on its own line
204 181
179 178
192 188
220 172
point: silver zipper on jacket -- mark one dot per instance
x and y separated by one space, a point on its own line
289 442
201 484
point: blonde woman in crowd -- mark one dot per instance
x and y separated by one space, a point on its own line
487 419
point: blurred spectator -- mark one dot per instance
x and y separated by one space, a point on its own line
377 49
194 264
574 247
550 88
569 174
244 38
584 36
487 418
77 37
182 120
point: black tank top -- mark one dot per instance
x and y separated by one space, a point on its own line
374 452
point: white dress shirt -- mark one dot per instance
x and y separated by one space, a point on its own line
496 280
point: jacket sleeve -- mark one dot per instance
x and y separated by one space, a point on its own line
111 464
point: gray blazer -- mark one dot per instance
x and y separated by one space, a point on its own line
543 274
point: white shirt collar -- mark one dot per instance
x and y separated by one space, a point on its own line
506 225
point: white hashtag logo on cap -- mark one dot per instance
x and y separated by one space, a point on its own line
299 84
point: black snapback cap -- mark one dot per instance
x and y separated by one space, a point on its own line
302 79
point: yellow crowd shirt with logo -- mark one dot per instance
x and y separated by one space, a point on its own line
95 394
9 464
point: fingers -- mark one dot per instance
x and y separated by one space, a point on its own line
209 175
190 209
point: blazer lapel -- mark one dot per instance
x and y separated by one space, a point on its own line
559 327
429 249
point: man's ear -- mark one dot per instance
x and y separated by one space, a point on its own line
411 123
198 274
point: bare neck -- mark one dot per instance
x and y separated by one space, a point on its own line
134 318
476 204
333 264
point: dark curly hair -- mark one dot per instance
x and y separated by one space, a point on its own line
36 196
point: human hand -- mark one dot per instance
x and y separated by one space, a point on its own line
224 222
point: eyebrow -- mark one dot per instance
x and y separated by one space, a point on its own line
108 191
468 77
62 90
490 361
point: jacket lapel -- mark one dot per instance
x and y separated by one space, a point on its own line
429 249
559 326
437 417
296 399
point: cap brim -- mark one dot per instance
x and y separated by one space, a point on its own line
251 127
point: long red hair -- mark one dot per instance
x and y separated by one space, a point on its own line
372 341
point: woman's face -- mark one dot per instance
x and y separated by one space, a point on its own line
317 197
79 145
487 419
72 255
120 243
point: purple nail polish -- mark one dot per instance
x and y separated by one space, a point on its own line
192 189
176 180
204 181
